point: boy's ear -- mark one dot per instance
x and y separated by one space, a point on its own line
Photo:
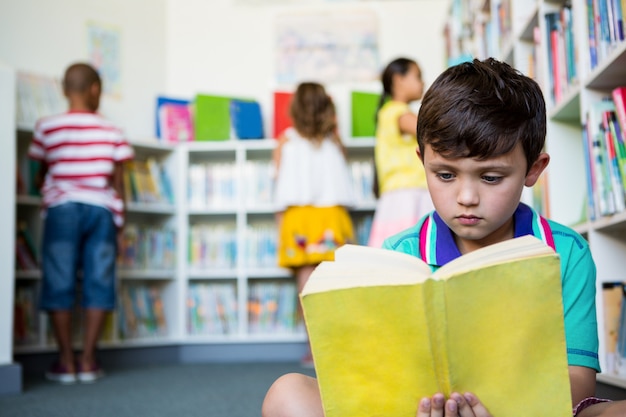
536 169
419 154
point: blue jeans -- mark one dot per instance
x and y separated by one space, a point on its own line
78 236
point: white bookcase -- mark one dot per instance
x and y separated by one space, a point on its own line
234 211
521 39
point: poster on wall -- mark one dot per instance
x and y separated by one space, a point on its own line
103 48
327 46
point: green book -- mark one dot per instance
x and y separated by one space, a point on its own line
212 117
364 107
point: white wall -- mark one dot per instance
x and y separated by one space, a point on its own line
45 36
220 47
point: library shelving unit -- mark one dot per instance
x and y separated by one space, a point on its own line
229 218
198 263
576 52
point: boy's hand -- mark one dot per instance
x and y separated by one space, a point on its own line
457 405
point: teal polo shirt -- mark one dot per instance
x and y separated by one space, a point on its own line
432 241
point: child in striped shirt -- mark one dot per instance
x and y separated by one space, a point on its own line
81 156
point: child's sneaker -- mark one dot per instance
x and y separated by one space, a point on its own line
89 375
59 373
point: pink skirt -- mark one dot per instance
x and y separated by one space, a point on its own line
397 210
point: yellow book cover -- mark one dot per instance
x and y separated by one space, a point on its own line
386 332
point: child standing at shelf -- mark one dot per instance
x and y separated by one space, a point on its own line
81 157
481 131
313 186
403 196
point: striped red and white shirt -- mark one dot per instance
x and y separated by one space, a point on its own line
81 150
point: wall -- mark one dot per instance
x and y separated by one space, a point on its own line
223 47
44 36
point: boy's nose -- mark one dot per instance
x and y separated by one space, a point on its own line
467 194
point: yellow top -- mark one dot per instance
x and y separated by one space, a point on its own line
397 163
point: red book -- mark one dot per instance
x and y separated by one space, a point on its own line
282 120
619 97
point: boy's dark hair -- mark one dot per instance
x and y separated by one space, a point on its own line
482 109
79 77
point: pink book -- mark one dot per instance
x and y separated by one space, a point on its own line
176 124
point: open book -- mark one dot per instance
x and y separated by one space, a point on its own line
385 331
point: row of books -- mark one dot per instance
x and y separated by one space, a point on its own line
213 245
212 308
147 247
561 53
605 155
147 181
26 253
208 118
271 307
261 244
217 184
605 23
141 312
214 118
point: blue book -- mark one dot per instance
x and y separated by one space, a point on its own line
246 119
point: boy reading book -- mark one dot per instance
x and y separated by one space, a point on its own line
481 131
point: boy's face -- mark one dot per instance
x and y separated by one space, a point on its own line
477 198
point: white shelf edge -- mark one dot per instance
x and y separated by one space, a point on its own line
614 380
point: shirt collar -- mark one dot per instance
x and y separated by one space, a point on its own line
444 247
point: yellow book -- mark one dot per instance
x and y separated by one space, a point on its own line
386 332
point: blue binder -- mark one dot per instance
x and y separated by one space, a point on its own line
246 119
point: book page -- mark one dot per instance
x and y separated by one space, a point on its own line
362 266
519 248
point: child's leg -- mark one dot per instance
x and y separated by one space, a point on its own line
62 326
293 395
99 251
59 258
94 318
302 276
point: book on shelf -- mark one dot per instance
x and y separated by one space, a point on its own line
175 122
26 315
26 255
272 307
246 119
605 151
385 331
211 118
212 308
162 101
612 298
147 181
282 119
141 311
364 109
619 99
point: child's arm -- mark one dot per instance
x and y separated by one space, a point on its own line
582 382
408 123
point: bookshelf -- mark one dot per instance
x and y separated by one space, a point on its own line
553 41
198 263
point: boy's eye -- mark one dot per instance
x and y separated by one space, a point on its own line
491 179
445 176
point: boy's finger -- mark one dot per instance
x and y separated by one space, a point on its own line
477 407
423 410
